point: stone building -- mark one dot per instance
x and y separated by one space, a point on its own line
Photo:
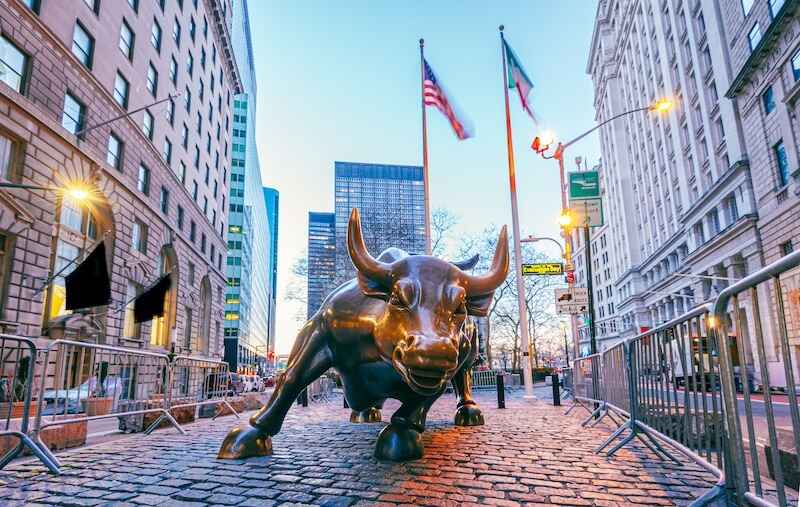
764 47
69 75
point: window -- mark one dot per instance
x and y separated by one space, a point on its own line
746 6
180 217
768 100
184 136
161 4
131 329
182 172
713 222
147 124
127 40
199 123
196 157
171 112
754 36
114 152
796 66
32 5
187 330
143 182
176 32
164 200
203 58
731 209
139 236
192 28
205 205
167 153
121 90
173 70
8 151
155 36
775 6
201 90
699 234
783 164
203 242
82 45
194 190
152 79
13 65
74 114
189 64
787 248
187 99
205 32
192 234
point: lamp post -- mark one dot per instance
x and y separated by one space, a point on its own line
541 145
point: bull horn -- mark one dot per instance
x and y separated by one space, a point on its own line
478 285
366 264
467 264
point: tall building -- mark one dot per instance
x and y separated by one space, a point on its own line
248 295
391 200
272 200
321 258
765 55
158 177
679 195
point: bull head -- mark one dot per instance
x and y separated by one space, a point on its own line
428 300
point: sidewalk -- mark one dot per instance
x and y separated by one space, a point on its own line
529 453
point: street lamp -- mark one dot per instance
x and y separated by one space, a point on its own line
541 144
80 191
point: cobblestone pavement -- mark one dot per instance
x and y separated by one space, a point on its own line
527 454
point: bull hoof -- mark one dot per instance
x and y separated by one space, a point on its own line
370 415
469 415
245 442
399 443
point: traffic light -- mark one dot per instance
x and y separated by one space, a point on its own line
570 277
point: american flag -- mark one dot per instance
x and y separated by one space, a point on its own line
434 95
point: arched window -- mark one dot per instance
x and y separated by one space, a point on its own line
205 315
161 328
81 224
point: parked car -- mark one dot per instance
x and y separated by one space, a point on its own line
237 383
71 401
269 381
217 384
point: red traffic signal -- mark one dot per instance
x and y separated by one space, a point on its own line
570 277
536 145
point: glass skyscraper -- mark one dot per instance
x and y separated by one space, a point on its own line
391 200
321 258
272 200
248 294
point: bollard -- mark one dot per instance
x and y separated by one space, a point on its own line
501 392
303 398
556 391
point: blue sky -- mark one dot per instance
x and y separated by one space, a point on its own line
340 81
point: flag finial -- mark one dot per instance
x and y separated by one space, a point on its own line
501 27
421 42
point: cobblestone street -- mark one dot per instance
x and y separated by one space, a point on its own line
527 454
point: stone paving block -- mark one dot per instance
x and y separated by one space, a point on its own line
225 499
335 501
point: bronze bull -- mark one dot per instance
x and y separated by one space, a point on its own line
395 331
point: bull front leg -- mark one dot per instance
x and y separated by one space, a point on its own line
309 359
369 415
401 440
467 411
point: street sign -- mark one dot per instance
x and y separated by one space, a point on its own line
543 268
572 301
586 210
584 185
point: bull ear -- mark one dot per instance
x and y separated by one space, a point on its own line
467 264
373 289
478 306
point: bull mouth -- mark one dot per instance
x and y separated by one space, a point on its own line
423 382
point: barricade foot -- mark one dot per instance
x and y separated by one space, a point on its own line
613 437
591 416
234 412
164 415
26 441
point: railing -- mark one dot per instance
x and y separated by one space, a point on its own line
75 382
321 390
487 379
676 388
760 439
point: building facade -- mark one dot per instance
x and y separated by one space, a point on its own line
157 178
391 201
321 258
249 294
272 200
765 55
682 218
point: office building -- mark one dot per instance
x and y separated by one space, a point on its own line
272 200
679 196
321 258
158 177
391 200
248 295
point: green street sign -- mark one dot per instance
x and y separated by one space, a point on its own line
543 268
584 185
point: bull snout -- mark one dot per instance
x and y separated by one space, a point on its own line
427 362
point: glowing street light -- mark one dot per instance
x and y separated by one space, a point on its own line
565 219
662 105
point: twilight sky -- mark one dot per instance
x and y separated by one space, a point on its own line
340 81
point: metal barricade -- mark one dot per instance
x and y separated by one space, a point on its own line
321 390
753 316
197 381
17 378
566 383
584 384
484 379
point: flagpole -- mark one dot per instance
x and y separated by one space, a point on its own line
425 149
512 178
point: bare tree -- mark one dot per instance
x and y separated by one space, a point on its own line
443 221
297 287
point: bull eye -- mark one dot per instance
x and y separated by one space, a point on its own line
395 301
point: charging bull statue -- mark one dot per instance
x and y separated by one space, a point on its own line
395 331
